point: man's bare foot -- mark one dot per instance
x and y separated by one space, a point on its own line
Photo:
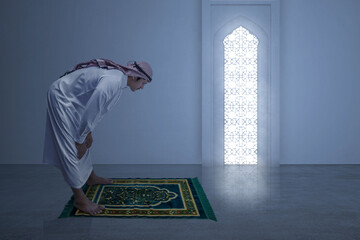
94 180
82 203
87 206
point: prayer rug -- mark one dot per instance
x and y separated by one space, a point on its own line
147 197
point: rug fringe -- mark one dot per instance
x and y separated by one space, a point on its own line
68 208
203 199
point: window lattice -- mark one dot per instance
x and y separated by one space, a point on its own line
240 97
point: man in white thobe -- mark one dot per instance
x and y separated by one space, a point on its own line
77 102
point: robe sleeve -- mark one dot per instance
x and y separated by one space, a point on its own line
104 97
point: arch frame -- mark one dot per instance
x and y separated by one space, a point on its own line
210 118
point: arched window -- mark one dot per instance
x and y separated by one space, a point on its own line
240 97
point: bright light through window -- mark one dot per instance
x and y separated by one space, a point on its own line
240 97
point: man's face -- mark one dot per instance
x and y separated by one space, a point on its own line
136 83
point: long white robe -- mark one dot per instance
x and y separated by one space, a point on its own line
76 104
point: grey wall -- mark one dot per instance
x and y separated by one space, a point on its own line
40 39
320 81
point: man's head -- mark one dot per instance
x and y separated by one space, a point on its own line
136 83
140 74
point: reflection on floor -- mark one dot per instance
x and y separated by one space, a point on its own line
291 202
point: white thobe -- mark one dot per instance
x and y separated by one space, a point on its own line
76 104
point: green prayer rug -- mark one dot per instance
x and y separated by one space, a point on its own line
147 197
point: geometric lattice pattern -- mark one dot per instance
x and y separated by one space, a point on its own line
240 97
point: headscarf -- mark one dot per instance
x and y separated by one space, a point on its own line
145 70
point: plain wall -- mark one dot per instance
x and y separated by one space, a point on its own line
320 81
41 39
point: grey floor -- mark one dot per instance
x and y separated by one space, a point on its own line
292 202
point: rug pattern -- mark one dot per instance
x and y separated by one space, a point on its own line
148 197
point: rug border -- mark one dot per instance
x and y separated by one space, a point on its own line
69 207
203 199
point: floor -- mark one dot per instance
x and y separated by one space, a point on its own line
293 202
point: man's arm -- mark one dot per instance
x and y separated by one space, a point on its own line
102 99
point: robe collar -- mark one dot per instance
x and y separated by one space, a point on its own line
124 81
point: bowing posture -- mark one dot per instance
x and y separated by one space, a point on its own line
76 102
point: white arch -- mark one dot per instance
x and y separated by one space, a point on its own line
271 24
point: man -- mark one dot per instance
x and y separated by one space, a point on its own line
77 101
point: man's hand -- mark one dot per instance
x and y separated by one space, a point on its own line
88 140
81 147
